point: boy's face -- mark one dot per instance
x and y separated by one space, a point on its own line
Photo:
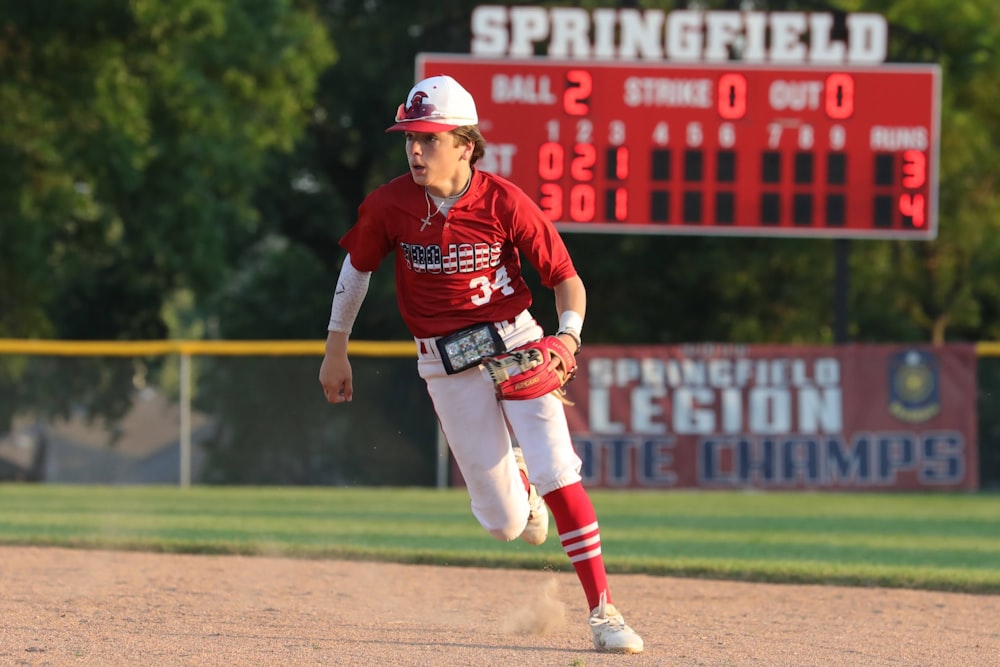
436 160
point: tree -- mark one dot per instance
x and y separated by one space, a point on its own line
132 139
946 289
135 135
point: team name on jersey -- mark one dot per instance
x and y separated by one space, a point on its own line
458 258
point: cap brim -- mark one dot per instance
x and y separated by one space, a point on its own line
421 126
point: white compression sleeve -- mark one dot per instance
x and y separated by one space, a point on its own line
352 286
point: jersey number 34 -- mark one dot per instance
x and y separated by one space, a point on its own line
485 287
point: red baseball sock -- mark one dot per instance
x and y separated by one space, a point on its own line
576 521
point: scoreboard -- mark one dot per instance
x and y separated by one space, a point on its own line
712 149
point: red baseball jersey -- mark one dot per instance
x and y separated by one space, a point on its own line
463 269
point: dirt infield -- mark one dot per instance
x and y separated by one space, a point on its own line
69 607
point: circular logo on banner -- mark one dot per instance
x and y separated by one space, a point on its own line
914 394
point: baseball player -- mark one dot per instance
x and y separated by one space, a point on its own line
458 235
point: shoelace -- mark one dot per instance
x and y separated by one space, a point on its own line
614 622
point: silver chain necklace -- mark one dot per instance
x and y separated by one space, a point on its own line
426 220
445 202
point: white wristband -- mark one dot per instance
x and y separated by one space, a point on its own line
570 320
571 323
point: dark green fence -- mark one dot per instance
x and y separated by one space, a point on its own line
988 408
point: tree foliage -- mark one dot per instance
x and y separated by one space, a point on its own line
945 289
132 140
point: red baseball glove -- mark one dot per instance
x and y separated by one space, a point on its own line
532 370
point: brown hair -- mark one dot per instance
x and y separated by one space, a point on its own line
467 134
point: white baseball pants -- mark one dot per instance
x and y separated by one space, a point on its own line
475 423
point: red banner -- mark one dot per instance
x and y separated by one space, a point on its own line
860 417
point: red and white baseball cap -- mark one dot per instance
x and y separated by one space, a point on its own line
437 104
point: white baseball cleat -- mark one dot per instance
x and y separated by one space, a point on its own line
611 634
537 528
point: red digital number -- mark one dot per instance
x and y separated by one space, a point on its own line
912 206
914 169
839 96
579 86
581 168
621 204
621 163
550 201
550 161
732 96
582 205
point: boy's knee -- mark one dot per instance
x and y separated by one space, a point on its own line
511 528
507 534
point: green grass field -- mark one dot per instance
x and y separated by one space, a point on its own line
928 541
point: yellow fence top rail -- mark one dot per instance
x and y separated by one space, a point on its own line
988 349
141 348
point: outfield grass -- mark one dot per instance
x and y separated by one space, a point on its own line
929 541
